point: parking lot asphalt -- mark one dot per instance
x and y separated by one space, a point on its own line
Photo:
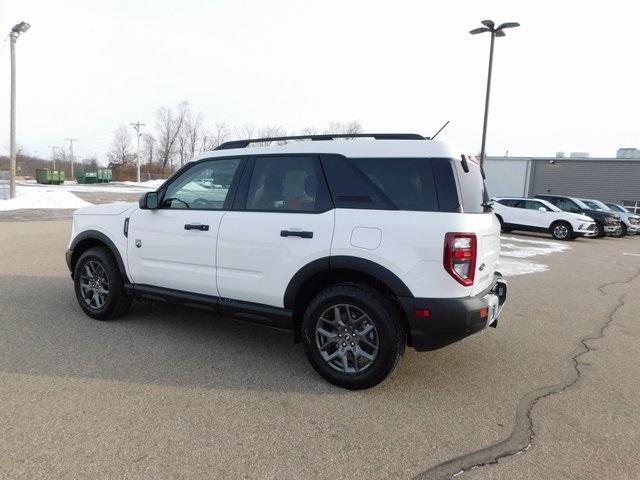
553 392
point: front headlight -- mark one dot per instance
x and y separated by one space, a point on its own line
611 220
585 219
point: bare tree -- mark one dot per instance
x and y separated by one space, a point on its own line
271 131
310 131
195 134
169 125
344 128
248 130
121 148
91 162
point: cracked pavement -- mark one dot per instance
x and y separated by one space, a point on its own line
169 393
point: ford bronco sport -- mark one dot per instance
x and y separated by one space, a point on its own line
359 246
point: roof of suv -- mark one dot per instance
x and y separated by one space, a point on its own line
348 148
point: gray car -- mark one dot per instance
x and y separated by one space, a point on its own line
630 221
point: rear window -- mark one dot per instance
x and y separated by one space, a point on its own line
472 187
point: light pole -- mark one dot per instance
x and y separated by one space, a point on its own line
13 36
137 126
490 26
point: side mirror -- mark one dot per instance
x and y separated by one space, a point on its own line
542 209
149 201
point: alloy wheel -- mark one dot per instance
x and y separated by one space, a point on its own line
94 285
347 339
561 231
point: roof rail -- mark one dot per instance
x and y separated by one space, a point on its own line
326 136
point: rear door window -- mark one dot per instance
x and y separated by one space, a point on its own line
287 184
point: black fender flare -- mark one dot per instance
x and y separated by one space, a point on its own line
344 262
102 238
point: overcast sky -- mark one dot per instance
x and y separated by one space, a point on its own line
567 80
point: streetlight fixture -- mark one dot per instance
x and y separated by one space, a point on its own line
13 36
490 26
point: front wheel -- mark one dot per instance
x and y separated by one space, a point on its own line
99 285
353 336
562 231
599 231
624 230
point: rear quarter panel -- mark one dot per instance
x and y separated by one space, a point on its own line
411 245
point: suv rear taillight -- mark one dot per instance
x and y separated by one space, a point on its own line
460 251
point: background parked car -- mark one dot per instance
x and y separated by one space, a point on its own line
516 213
630 221
607 223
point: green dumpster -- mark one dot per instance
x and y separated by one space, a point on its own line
88 176
49 177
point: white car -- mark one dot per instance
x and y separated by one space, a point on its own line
533 214
358 247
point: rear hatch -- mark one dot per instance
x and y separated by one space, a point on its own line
480 220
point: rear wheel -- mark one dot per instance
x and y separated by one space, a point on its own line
502 227
99 285
562 231
353 336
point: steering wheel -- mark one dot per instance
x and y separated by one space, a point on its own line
202 202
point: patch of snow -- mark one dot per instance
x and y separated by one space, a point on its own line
527 251
114 187
42 198
152 184
514 250
511 268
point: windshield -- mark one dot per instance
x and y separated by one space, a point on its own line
617 208
596 205
550 205
581 204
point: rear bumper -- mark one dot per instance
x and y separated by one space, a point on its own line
452 319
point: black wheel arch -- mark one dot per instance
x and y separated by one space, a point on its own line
89 239
322 267
324 272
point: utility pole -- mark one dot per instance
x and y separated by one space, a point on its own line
53 155
489 26
71 140
13 36
137 126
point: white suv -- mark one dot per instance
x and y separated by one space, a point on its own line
537 215
358 247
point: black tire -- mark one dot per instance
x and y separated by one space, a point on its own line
624 230
561 231
502 227
599 233
106 272
386 330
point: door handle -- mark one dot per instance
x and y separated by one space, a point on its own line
196 226
296 233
